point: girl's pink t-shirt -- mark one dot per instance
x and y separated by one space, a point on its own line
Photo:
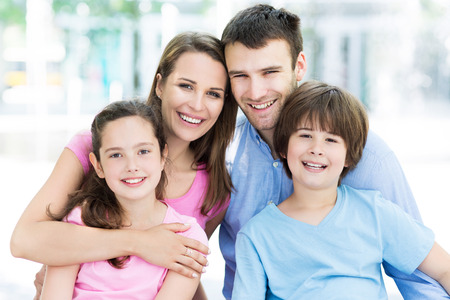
189 204
138 279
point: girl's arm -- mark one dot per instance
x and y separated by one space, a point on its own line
437 266
37 238
178 287
59 283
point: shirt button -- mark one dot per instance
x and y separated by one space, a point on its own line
275 164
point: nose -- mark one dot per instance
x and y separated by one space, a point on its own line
316 148
256 89
132 165
197 103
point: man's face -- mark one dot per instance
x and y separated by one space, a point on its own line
261 79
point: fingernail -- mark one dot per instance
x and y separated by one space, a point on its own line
204 270
194 275
187 224
207 263
209 251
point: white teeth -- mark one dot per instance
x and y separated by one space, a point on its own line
262 106
314 166
190 120
133 180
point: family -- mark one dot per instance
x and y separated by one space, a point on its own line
310 201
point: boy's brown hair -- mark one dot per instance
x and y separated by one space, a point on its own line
334 109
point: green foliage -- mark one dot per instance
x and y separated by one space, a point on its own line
12 12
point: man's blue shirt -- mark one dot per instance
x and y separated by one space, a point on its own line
259 180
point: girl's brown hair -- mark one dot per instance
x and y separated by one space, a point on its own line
210 148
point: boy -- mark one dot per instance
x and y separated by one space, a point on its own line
328 240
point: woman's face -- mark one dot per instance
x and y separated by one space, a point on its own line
192 96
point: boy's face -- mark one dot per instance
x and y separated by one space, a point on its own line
315 157
261 79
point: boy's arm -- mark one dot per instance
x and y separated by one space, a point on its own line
437 266
379 169
59 282
250 281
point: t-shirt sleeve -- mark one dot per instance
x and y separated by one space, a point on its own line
81 146
250 281
405 241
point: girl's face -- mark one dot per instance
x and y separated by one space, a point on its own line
130 159
192 96
315 157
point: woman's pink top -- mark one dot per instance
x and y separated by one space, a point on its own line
189 204
138 279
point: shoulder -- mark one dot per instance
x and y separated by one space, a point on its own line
376 146
195 231
260 221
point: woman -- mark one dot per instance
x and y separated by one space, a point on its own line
191 89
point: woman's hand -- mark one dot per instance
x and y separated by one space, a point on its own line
160 245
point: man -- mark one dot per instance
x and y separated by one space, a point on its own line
263 51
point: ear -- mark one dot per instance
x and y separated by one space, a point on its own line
158 89
97 165
300 66
283 155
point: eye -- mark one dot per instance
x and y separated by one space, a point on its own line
238 76
143 151
331 140
115 155
186 86
215 94
304 135
271 72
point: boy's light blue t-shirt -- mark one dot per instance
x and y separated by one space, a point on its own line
259 180
279 257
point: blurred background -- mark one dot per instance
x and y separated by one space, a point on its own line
61 61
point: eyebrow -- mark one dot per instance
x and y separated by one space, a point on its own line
138 145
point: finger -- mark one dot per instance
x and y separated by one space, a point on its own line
176 227
183 270
195 245
191 264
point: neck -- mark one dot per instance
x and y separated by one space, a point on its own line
312 198
180 156
143 214
267 136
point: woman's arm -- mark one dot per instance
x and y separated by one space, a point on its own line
212 224
437 266
59 282
58 243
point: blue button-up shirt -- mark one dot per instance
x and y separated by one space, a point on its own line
259 180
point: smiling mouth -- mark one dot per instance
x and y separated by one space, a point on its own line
263 105
133 181
314 166
189 119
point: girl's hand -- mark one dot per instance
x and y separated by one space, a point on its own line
160 245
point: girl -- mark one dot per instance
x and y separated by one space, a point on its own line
191 90
334 238
129 154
